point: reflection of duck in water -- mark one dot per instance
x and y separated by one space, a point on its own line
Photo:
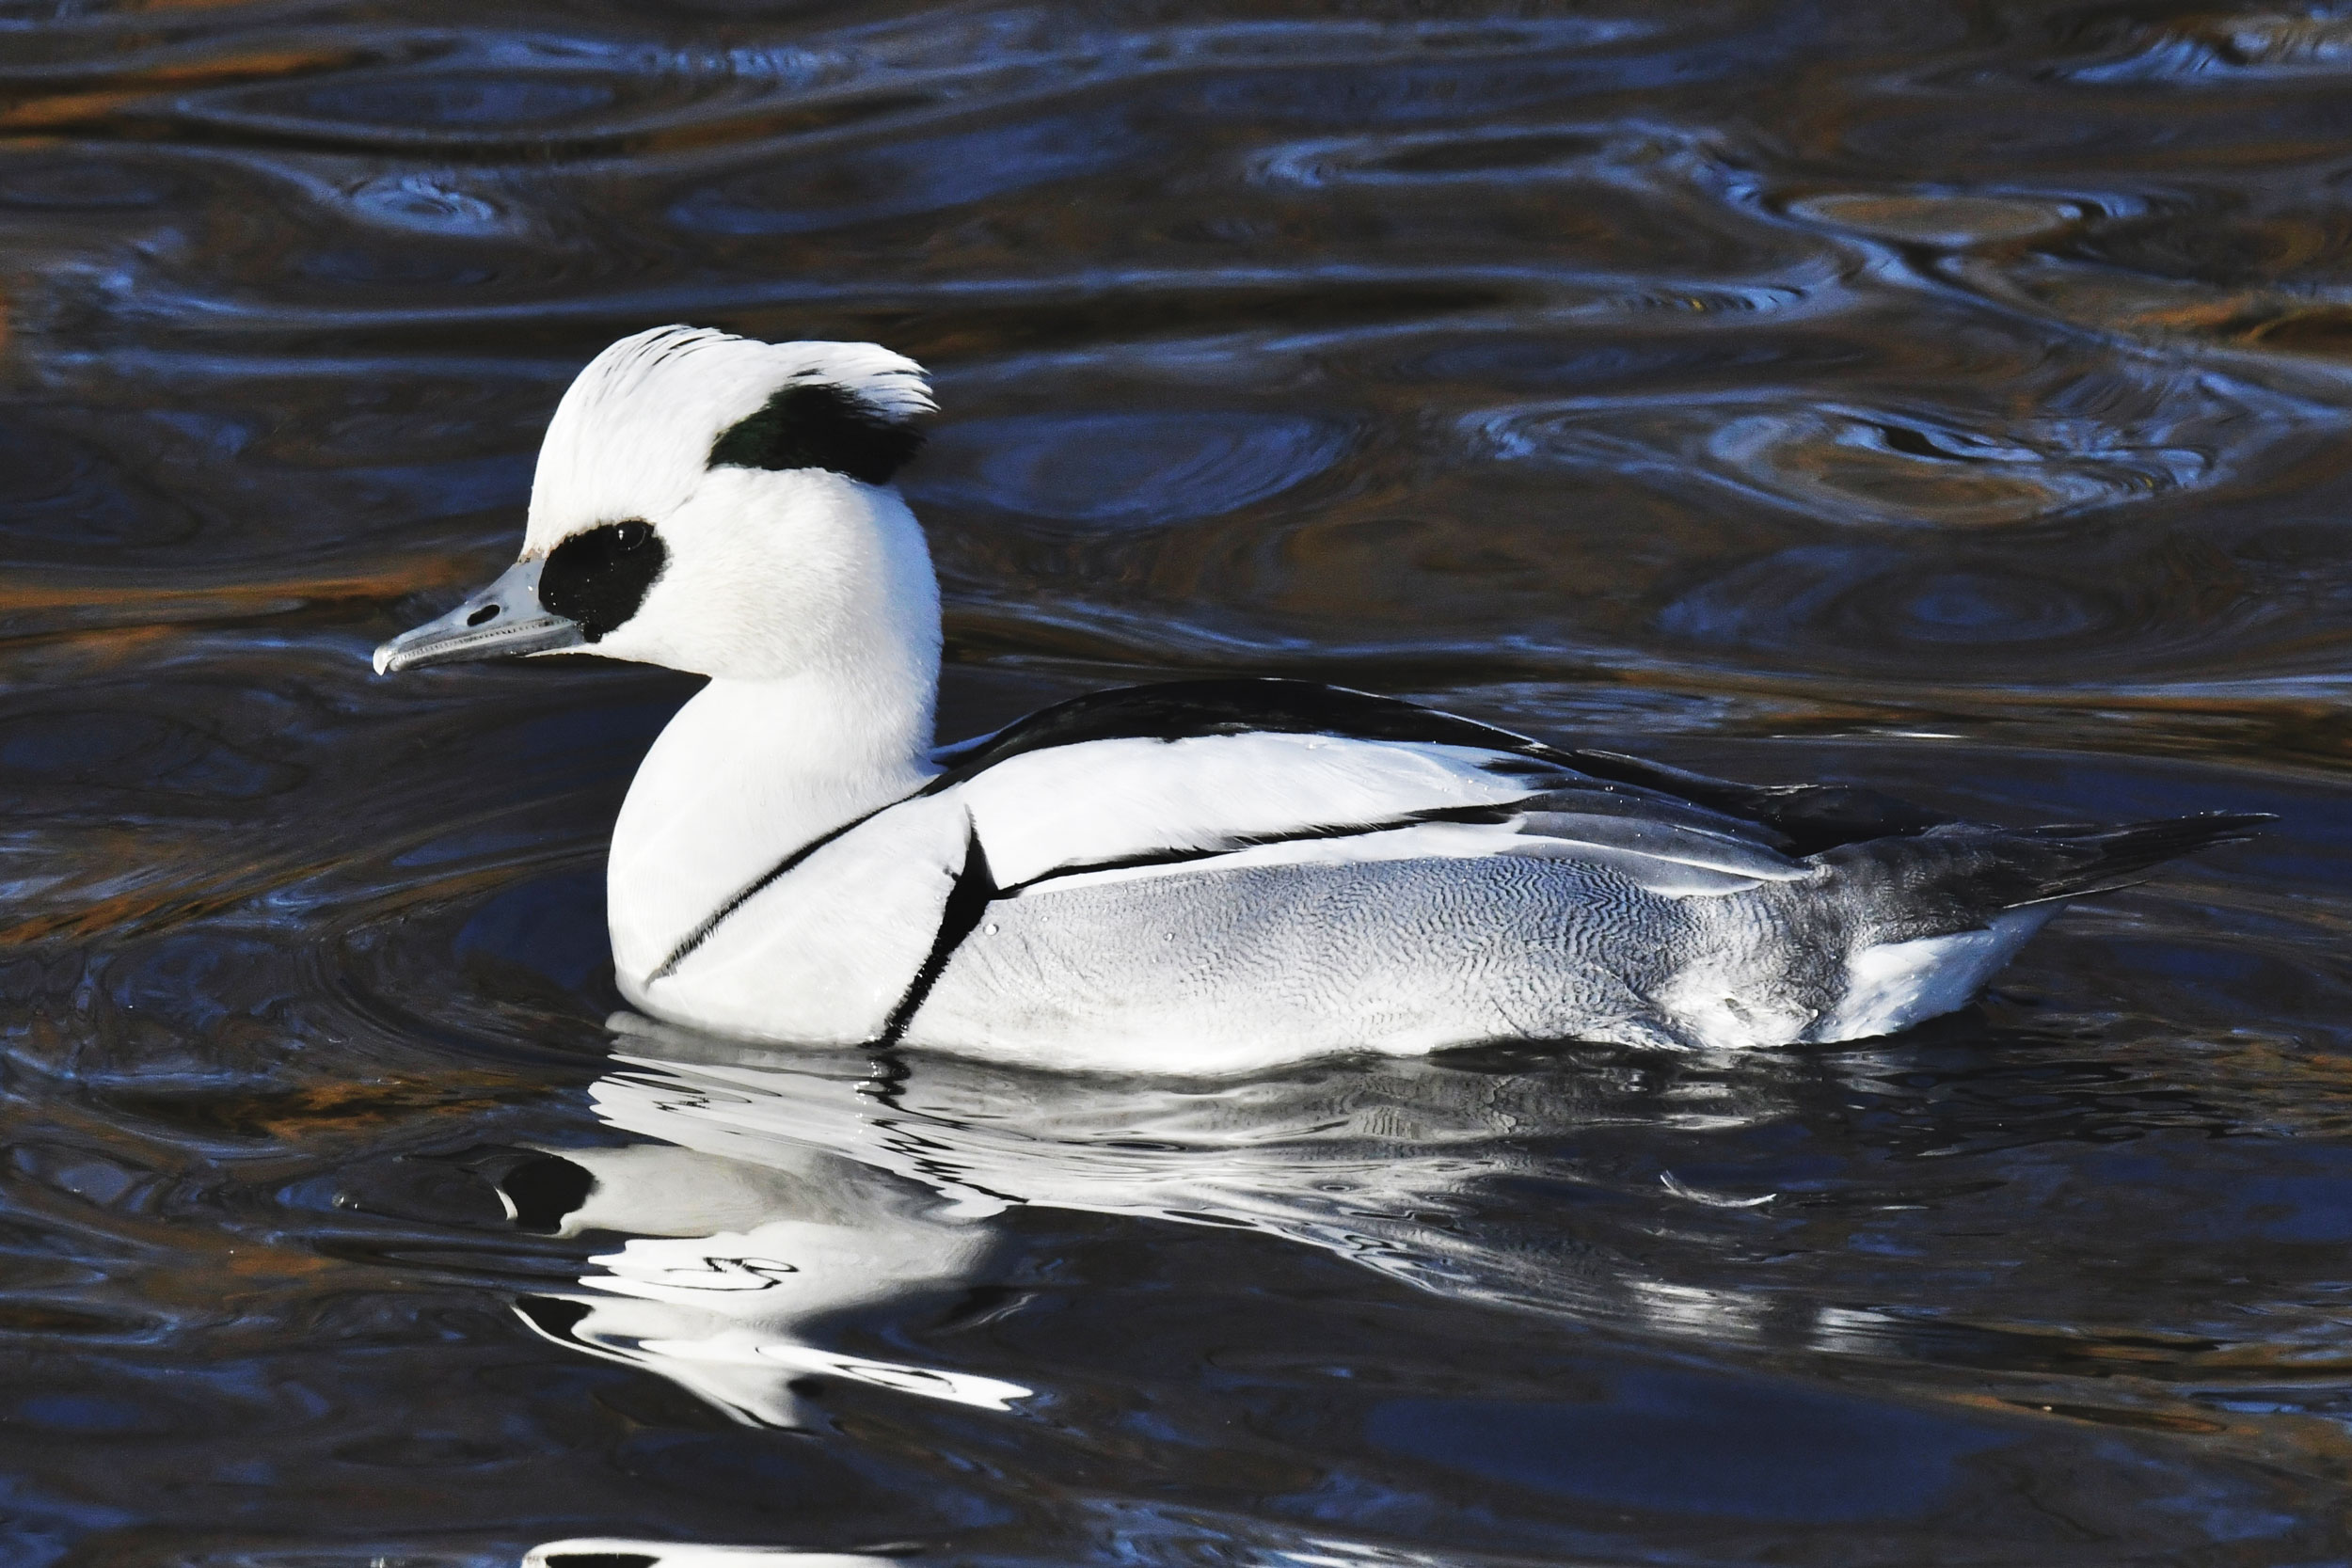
1205 876
732 1254
789 1189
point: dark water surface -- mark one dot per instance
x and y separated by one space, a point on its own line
1949 397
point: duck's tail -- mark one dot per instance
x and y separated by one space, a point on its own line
2089 859
1928 919
1959 876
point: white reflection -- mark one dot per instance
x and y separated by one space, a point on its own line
732 1259
788 1188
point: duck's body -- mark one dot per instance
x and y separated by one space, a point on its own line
1206 875
1223 874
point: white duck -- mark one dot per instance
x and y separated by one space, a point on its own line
1207 875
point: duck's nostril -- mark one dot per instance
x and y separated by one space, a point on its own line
487 612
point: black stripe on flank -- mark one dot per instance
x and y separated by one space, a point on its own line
712 923
967 901
701 933
1484 813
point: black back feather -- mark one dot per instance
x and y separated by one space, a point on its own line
1960 875
1187 710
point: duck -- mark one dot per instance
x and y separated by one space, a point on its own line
1203 876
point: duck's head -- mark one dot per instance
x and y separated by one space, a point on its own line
714 504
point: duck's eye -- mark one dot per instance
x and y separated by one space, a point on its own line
598 577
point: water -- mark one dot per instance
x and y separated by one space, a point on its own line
1950 398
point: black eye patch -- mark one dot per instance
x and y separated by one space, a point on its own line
599 578
815 424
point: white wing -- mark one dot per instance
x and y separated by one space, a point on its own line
1114 801
1145 807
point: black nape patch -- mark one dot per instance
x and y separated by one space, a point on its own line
815 425
599 578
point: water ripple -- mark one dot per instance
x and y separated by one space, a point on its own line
1946 398
1859 464
1124 470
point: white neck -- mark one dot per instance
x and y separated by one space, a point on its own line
751 769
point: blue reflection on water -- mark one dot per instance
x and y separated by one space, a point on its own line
1675 1442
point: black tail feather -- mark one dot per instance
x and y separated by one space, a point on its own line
2111 856
1963 874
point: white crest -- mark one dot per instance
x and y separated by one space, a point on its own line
633 435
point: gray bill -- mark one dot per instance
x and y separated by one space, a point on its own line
505 617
